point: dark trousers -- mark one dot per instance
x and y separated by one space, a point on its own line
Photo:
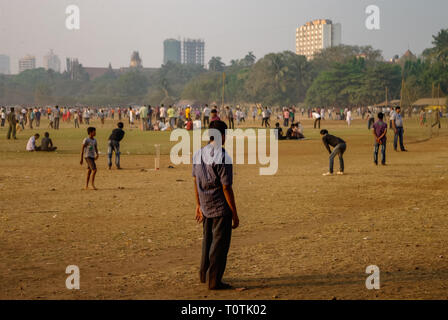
370 123
317 122
231 124
11 130
215 246
56 123
265 122
399 135
383 153
206 122
113 146
339 151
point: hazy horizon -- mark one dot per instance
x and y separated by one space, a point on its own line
112 29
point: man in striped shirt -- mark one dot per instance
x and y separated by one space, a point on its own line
215 205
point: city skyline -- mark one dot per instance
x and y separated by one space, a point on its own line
258 26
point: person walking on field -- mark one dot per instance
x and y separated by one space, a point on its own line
3 117
397 125
215 205
339 146
206 118
12 123
371 119
286 117
76 119
114 145
56 115
316 117
90 152
349 117
144 118
379 132
171 113
229 115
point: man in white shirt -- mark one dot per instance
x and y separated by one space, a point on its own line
349 117
197 123
316 117
3 117
206 113
162 113
31 145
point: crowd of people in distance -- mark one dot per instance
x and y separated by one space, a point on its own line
190 117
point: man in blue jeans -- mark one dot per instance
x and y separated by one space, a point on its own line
397 125
114 145
380 131
339 146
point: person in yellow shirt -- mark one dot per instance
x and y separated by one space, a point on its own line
187 112
172 119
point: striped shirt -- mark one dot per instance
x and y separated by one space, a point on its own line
213 169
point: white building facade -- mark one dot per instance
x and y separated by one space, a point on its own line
317 35
27 63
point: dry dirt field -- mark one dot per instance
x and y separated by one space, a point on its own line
302 235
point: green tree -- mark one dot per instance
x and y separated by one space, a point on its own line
279 79
215 64
440 42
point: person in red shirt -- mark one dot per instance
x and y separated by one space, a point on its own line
214 115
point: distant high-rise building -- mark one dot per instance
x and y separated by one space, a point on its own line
172 51
27 63
4 64
136 61
52 61
316 35
193 52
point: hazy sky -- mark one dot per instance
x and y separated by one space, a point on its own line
112 29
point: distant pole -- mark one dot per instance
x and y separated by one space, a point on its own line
223 87
387 101
402 92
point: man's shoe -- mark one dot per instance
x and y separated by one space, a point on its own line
109 167
383 164
375 162
404 150
221 286
340 173
118 168
327 174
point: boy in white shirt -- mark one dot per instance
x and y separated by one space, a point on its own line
31 145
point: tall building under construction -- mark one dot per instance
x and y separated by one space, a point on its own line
193 51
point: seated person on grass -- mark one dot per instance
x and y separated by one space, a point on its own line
47 144
31 145
298 130
279 132
290 134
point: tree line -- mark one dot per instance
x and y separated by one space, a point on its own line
338 76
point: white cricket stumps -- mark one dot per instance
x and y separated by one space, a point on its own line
157 157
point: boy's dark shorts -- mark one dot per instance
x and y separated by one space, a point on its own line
91 163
